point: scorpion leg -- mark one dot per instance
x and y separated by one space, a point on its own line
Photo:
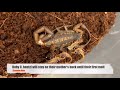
75 45
60 58
77 28
79 51
40 38
58 29
53 50
80 25
65 27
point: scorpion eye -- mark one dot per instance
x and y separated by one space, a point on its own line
74 48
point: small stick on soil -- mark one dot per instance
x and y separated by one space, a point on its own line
27 13
59 19
94 42
3 22
1 50
95 37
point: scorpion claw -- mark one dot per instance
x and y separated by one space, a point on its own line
60 58
79 51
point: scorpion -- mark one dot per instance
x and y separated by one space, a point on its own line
67 37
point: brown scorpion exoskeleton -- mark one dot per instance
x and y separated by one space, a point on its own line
63 38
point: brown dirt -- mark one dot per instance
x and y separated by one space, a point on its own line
16 33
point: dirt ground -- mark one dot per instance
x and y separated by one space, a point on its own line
16 33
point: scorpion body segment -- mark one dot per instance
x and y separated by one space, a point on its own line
63 38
